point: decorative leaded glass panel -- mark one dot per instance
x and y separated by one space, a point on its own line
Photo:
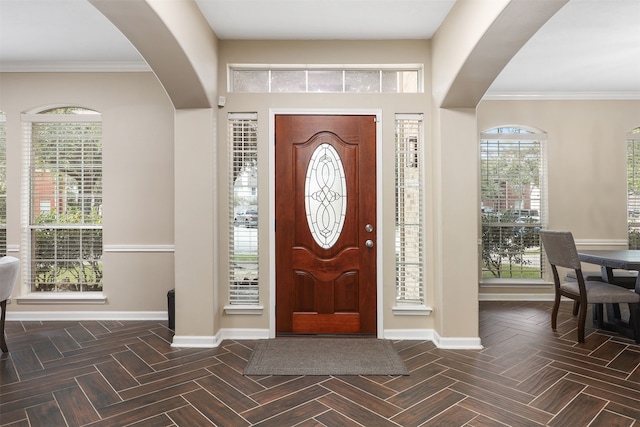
325 195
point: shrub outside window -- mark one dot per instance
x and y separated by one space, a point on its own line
512 202
63 213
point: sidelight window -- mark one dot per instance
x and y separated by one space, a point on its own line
243 208
409 199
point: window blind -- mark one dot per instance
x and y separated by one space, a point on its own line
633 188
63 240
513 202
243 208
408 212
3 186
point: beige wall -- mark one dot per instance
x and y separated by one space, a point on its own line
586 153
137 120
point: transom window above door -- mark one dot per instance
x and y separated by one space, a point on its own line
253 78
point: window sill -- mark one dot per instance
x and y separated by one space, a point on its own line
411 310
502 283
244 309
62 298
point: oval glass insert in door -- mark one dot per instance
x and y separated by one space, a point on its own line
325 194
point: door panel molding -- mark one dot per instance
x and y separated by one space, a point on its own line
273 112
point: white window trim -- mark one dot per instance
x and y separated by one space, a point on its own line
632 137
27 295
419 68
415 309
240 309
536 134
3 221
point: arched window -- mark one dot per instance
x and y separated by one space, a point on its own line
633 187
62 214
512 202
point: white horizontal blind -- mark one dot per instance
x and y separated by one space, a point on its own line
633 188
3 186
513 202
63 159
243 208
409 199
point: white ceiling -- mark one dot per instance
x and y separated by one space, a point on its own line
590 48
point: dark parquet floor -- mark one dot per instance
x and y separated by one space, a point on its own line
126 373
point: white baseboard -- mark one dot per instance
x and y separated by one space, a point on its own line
244 334
457 343
85 315
195 341
408 334
223 334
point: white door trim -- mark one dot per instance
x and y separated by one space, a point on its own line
272 207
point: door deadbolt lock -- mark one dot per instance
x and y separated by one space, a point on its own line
368 228
369 243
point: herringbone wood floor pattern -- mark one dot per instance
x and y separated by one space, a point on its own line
126 373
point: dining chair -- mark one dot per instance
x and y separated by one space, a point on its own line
561 251
9 267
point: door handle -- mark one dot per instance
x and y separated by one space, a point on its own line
369 243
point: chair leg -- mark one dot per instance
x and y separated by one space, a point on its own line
582 318
554 313
576 306
598 315
634 320
3 343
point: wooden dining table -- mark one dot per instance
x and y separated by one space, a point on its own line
610 260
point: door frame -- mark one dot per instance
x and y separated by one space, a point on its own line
273 112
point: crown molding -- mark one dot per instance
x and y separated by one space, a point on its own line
561 96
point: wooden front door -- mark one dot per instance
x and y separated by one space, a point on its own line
325 234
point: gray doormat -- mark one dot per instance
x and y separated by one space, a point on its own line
325 356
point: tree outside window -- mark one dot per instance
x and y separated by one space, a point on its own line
65 187
633 187
512 195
